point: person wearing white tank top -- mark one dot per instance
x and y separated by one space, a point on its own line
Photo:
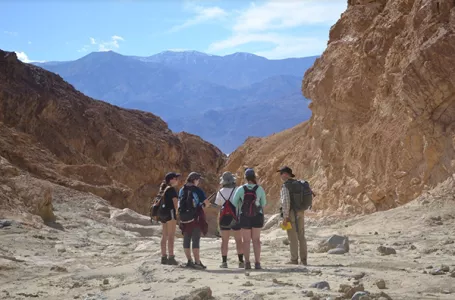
226 193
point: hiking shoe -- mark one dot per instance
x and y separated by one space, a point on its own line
224 265
247 266
293 262
164 260
200 266
257 266
171 261
304 262
189 264
241 265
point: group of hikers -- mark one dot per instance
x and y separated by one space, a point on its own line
241 213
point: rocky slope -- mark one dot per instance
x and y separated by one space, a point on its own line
54 132
383 94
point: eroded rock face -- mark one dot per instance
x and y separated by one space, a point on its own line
56 133
383 94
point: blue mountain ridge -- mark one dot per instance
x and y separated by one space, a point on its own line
223 99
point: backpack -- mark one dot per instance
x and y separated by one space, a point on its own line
300 193
157 206
228 216
249 207
187 209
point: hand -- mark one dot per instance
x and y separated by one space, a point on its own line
207 203
286 221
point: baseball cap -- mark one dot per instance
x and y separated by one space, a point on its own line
250 173
287 170
171 175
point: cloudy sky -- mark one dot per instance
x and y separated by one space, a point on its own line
52 30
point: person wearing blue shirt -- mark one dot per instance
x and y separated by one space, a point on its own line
192 218
250 200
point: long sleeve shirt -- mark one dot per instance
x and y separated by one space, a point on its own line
285 201
261 200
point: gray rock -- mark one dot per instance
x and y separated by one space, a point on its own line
101 207
321 285
337 251
452 274
204 293
381 284
386 250
359 275
309 294
445 268
357 295
106 281
59 269
129 216
286 242
60 248
333 242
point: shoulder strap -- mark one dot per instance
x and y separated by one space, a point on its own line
255 188
230 196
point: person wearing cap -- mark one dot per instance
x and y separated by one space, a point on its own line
192 230
251 226
296 235
168 217
224 197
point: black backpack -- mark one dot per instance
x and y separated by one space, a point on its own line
187 209
249 207
157 206
300 193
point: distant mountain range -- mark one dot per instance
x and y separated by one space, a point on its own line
223 99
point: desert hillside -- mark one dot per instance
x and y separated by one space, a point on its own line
53 132
383 103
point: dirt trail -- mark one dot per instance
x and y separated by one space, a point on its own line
88 256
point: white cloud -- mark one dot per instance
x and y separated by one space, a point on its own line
112 44
12 33
269 22
22 56
202 15
289 14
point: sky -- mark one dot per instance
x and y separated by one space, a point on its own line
61 30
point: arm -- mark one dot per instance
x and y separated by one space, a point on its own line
262 197
285 202
239 193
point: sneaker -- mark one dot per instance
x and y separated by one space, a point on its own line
190 264
257 266
247 266
241 265
164 260
171 261
200 266
293 262
224 265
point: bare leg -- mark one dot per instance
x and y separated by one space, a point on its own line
171 227
238 241
164 240
246 234
256 236
225 234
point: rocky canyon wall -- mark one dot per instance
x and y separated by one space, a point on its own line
54 132
383 103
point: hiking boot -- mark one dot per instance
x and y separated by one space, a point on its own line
241 265
247 266
164 260
293 262
257 266
171 261
224 265
304 262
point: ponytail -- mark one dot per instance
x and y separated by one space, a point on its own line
251 179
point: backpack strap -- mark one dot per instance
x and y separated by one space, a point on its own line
255 188
230 196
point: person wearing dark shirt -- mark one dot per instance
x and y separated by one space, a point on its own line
168 218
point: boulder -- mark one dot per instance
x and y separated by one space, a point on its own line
333 242
129 216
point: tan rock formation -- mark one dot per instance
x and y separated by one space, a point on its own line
383 94
56 133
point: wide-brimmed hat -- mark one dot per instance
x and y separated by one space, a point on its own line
287 170
227 178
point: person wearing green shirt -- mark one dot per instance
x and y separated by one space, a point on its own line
250 200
